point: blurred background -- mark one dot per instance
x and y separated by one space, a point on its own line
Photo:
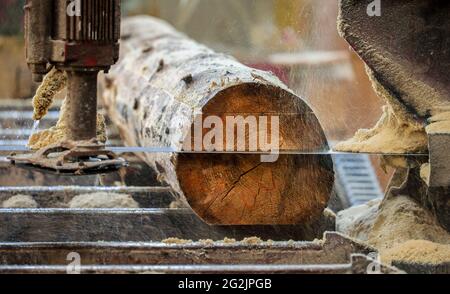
295 39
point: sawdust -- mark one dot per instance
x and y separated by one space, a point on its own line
418 251
390 135
103 200
226 240
206 241
54 82
392 226
399 220
252 241
58 133
46 138
20 201
53 135
396 132
176 241
177 204
320 242
229 241
357 221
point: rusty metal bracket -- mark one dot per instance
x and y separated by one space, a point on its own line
77 157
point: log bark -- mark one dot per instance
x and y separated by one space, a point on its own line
164 80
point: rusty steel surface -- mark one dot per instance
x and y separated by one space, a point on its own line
81 100
77 157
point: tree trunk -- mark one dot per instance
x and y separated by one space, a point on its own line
165 81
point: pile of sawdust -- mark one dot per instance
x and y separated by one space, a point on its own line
252 241
401 219
229 241
357 221
291 242
57 133
53 83
396 132
392 226
53 135
46 138
20 201
418 251
177 204
248 241
390 135
206 241
176 241
103 200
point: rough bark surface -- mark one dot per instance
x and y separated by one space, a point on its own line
164 80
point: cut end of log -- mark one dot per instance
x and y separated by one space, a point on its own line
241 189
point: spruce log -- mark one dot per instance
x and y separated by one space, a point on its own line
164 80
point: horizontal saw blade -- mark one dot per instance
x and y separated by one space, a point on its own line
154 149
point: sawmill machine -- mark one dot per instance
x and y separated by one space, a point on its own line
406 47
80 37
